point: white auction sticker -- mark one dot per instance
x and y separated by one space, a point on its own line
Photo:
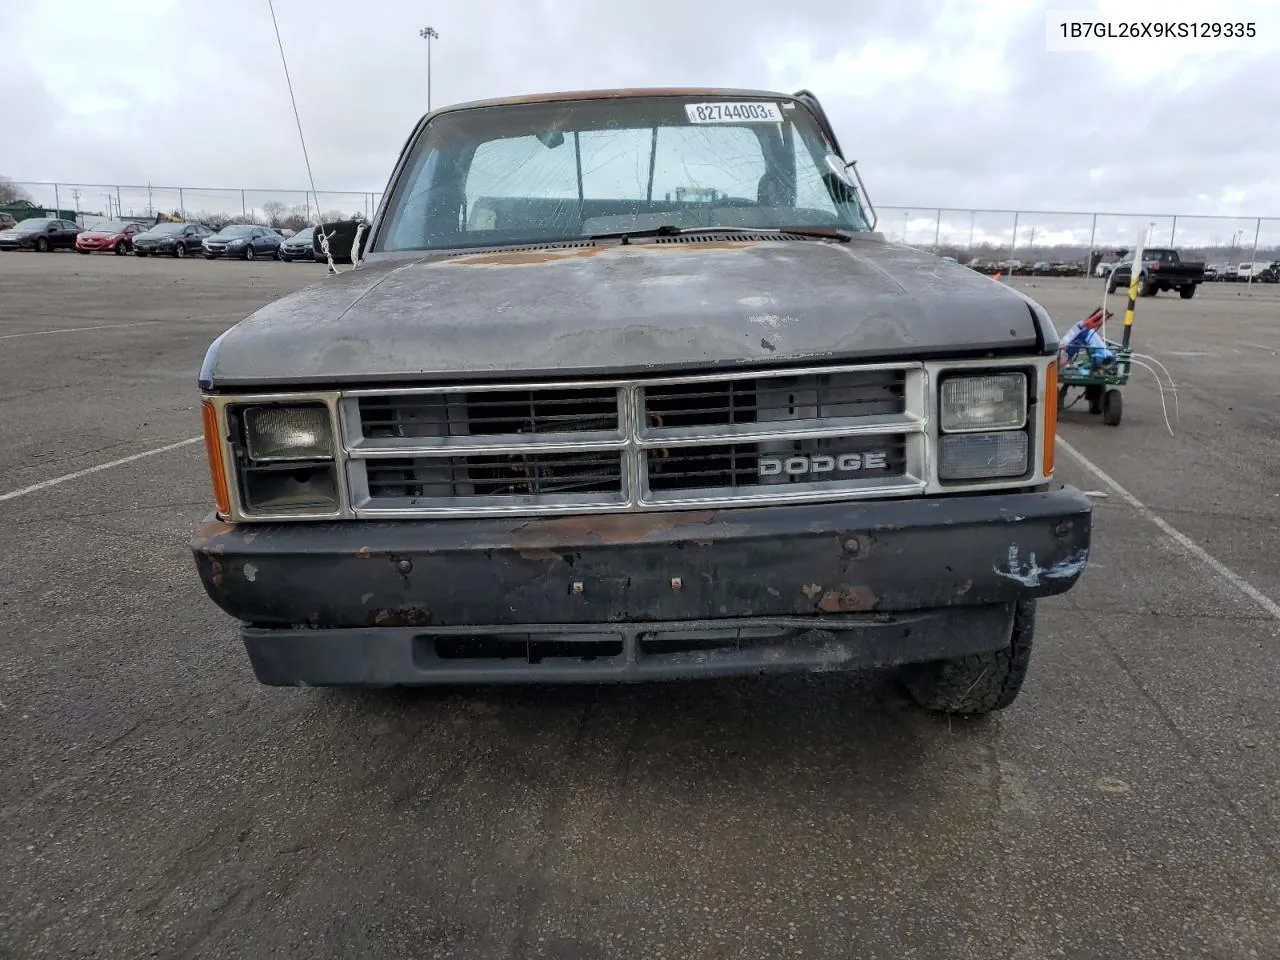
761 111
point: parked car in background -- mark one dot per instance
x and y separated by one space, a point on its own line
1213 271
113 235
171 240
1161 269
1256 269
298 247
41 234
243 241
7 221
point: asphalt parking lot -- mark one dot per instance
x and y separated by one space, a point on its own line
155 801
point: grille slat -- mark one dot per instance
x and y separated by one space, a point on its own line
636 444
776 399
489 412
494 476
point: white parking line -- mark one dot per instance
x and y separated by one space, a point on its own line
1193 548
102 326
46 484
114 326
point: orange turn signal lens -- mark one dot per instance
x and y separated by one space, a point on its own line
1050 405
217 468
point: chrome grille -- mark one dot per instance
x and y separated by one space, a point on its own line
646 443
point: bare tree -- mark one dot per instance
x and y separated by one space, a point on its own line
10 192
296 218
275 212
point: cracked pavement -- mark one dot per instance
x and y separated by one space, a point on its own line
157 802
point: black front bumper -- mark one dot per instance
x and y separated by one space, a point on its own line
641 596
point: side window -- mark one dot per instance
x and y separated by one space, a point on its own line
615 163
520 168
812 192
705 162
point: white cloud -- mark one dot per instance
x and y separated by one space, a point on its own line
957 103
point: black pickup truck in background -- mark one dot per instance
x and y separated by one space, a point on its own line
1162 269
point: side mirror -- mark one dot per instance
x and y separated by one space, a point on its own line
341 235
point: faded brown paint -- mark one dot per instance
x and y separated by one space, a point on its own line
569 96
848 600
606 528
215 528
526 258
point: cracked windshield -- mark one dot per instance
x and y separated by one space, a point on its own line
575 481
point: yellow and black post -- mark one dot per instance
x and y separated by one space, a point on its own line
1135 273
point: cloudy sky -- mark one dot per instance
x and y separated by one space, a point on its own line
952 102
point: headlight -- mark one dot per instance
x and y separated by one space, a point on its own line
287 460
288 433
982 456
987 402
983 432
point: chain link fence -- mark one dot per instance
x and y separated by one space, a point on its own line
89 202
1050 235
997 235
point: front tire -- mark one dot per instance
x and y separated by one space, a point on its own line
981 682
1111 285
248 253
180 251
42 245
1112 408
138 253
119 249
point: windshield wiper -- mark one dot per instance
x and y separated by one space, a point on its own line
671 230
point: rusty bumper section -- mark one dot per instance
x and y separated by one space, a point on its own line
821 586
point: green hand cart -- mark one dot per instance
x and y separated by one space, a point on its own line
1099 383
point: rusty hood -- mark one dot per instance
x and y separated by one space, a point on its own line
623 308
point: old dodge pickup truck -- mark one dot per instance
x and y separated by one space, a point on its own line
623 385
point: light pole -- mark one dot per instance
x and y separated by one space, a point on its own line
428 34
